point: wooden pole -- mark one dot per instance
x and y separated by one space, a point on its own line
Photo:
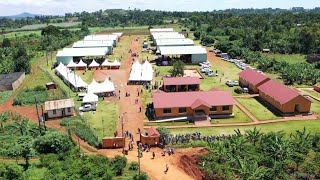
35 99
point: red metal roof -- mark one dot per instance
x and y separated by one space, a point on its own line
252 76
153 132
187 99
181 81
198 103
279 92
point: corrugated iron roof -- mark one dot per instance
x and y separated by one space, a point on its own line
279 92
181 81
186 99
180 50
252 76
153 132
58 104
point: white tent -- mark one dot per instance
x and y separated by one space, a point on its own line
69 77
72 65
90 98
141 72
106 63
94 64
98 88
82 64
116 63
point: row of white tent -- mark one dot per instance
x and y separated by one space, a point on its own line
141 72
93 64
70 77
76 81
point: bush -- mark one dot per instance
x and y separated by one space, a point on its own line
53 142
10 171
119 163
134 166
143 176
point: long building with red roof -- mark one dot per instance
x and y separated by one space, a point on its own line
193 104
181 84
283 98
252 79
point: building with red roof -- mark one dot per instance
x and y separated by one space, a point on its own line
181 84
252 79
285 99
152 137
193 104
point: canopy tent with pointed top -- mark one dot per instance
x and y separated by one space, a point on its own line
101 88
111 65
94 64
141 72
71 79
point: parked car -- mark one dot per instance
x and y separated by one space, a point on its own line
86 108
203 70
236 83
212 74
232 83
241 90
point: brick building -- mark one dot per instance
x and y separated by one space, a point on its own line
252 79
181 84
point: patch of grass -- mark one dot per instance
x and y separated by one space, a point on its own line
257 109
105 119
4 96
86 76
240 117
288 127
312 92
168 123
315 107
289 58
36 172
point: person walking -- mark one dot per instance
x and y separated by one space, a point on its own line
140 109
153 155
167 169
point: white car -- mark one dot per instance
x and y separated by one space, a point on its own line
85 108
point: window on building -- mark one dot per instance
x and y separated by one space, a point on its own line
182 110
225 108
167 111
54 111
213 109
69 109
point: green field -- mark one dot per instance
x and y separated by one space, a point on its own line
289 58
105 119
239 117
312 92
315 107
257 109
288 127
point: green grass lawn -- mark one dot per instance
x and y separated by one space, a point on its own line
312 92
168 124
257 109
288 127
105 119
239 117
315 107
290 58
87 76
4 96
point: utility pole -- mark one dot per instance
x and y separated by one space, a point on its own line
122 124
43 118
35 100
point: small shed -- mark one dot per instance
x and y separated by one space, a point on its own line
266 50
59 108
152 137
11 81
51 85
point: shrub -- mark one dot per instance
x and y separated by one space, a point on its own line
10 171
119 163
134 166
143 176
53 142
27 96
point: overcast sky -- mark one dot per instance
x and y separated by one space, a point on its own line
59 7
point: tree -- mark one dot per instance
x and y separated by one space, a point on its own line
25 144
177 69
197 35
119 163
50 30
53 142
10 171
6 42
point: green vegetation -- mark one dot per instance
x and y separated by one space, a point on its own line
105 124
29 96
289 58
256 155
257 109
315 106
4 96
82 129
287 127
178 68
239 117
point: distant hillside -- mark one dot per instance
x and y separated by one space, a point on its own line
21 16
